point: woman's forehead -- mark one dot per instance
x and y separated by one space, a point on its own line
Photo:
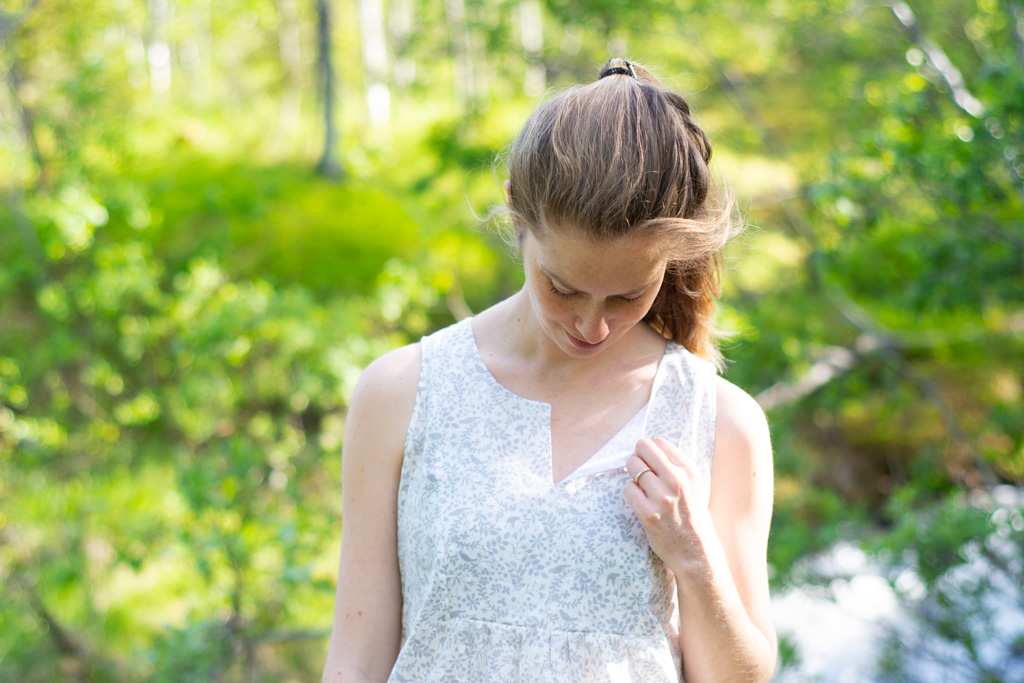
627 263
571 242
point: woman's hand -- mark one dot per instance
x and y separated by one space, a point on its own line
670 498
713 534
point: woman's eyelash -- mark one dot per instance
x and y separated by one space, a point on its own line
561 293
627 299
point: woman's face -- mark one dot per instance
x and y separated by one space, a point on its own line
586 294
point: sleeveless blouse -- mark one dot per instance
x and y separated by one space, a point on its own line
507 576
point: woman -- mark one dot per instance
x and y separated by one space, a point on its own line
561 488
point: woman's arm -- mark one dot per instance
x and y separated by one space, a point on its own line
716 547
368 609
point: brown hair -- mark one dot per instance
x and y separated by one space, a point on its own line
622 156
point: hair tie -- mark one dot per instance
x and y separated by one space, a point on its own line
624 70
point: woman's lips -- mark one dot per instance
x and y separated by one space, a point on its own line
580 344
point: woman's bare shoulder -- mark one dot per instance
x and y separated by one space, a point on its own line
393 376
385 395
742 439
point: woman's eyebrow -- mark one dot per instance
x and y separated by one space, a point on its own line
565 285
557 280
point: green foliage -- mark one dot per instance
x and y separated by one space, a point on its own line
278 223
789 654
806 524
200 651
185 417
185 306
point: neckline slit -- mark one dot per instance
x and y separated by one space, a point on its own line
582 470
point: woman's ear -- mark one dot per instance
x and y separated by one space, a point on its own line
515 221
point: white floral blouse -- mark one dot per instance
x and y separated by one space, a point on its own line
508 577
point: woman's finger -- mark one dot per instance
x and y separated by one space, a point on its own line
637 469
638 500
672 453
654 455
660 450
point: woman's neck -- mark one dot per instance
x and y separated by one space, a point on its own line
511 330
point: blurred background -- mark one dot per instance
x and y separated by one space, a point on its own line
215 214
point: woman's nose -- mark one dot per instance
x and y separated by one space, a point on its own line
592 326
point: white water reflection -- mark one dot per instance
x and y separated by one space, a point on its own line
839 626
846 612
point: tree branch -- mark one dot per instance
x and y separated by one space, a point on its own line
86 665
873 336
289 636
938 59
836 360
62 639
1017 15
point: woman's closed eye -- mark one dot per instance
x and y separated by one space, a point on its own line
564 295
569 295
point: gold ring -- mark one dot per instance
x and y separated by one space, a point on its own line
636 479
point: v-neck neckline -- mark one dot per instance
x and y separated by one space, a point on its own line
582 470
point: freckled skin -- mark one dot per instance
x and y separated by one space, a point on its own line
594 292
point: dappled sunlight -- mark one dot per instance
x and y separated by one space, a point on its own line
764 260
186 304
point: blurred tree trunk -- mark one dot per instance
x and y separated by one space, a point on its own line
290 54
9 23
532 36
400 28
462 53
15 198
204 41
328 166
26 118
488 20
158 49
375 61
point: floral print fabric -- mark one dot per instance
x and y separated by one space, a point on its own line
509 577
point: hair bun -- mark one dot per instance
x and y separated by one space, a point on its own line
617 66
